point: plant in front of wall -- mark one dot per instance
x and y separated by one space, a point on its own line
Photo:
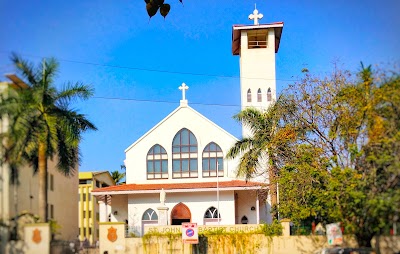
152 240
273 229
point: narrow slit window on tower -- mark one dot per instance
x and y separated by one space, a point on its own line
249 95
259 96
269 95
257 39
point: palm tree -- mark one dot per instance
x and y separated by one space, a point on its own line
267 148
117 176
42 125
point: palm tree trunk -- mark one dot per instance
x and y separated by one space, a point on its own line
274 194
42 167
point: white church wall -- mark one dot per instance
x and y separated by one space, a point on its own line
197 202
163 134
119 213
246 200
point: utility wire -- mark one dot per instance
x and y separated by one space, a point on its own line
161 101
149 70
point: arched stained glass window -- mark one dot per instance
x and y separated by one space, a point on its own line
157 163
213 159
259 95
184 155
269 95
211 213
249 95
150 214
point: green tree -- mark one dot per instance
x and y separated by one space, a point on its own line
352 124
42 126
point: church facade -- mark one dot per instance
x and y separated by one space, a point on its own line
178 171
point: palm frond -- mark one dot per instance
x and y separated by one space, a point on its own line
72 91
26 69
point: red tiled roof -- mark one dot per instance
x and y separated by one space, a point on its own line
172 186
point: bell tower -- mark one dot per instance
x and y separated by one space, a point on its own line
256 46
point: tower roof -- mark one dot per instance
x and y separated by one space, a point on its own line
236 30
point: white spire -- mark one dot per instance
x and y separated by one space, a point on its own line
255 16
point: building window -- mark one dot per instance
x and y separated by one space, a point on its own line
213 159
257 39
184 155
98 184
211 213
259 95
157 163
50 211
249 95
150 214
269 95
90 214
244 220
90 231
51 182
97 217
85 181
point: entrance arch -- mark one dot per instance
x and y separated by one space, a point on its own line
180 213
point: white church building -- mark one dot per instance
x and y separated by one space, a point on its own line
178 171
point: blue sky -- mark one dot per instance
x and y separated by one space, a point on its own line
141 63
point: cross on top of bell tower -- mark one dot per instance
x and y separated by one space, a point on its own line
255 16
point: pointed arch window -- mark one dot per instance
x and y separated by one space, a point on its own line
212 216
249 95
184 155
259 95
211 213
269 95
157 163
150 215
244 220
213 160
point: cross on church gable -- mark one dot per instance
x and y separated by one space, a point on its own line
255 16
183 87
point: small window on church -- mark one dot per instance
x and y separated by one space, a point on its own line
212 216
244 220
184 155
149 215
269 95
157 163
212 213
213 159
249 95
257 39
259 95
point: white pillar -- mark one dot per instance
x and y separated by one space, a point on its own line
258 208
103 211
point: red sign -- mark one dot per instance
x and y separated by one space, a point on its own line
190 233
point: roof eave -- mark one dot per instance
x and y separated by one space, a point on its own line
125 192
236 31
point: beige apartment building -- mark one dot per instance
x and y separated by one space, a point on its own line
88 208
22 199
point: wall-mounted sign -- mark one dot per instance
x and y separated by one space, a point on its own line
334 234
190 233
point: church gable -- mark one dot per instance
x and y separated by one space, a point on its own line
177 147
